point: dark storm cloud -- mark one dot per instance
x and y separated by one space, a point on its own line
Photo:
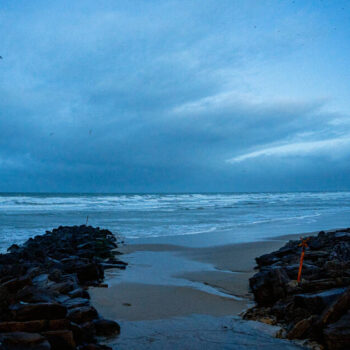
159 96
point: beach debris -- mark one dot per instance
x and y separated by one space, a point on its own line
315 308
44 301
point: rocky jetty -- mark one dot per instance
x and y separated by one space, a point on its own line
317 308
44 299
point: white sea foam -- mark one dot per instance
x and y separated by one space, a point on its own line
154 215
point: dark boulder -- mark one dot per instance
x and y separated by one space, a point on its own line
335 310
341 251
301 329
82 314
318 306
28 312
106 327
61 287
28 326
337 335
76 302
14 284
317 302
32 294
13 248
61 323
44 302
60 339
83 333
41 280
23 340
79 293
269 285
88 272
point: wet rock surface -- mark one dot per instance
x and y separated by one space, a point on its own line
44 298
317 308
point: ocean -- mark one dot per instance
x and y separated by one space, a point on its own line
222 217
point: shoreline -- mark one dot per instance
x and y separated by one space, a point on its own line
164 284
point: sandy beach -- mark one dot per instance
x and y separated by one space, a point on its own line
167 281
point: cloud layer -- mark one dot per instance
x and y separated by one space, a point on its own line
173 96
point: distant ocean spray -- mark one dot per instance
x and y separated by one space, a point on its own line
244 216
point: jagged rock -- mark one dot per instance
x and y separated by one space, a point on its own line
269 285
316 302
316 255
337 335
321 284
342 235
300 329
336 309
318 307
47 276
271 258
13 248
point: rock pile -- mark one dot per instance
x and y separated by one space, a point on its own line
44 302
317 308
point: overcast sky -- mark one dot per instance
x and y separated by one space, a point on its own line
152 96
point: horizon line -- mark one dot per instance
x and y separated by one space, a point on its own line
166 192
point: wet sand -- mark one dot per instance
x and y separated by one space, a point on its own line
164 280
184 297
174 296
134 302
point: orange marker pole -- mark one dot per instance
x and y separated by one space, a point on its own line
304 245
301 264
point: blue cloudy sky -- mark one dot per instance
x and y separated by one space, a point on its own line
115 96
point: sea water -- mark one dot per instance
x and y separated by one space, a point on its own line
217 217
